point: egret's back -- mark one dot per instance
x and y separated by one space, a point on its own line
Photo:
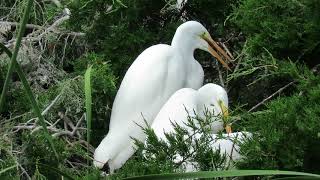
181 104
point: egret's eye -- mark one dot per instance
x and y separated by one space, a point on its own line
202 35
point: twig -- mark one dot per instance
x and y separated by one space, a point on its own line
227 50
16 117
57 132
41 32
24 172
64 50
50 105
268 98
220 75
28 26
70 133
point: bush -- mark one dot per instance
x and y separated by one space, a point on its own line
103 91
287 131
286 28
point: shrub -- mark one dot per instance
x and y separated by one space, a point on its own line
286 28
287 131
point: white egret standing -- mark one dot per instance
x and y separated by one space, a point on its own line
154 76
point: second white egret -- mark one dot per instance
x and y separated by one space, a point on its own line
188 102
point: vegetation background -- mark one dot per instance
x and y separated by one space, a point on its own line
274 86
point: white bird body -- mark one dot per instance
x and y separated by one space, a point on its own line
154 76
189 102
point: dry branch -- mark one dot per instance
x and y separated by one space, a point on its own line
42 32
271 96
28 26
33 127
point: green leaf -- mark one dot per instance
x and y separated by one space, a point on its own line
297 178
15 52
88 103
6 50
215 174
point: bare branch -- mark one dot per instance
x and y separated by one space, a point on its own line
271 96
50 105
29 26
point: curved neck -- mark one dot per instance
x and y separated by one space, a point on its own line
183 44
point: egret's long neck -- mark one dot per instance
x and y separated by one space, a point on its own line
184 44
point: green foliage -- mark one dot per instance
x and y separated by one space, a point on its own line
156 156
287 132
7 158
129 30
103 84
287 28
40 13
37 151
212 14
126 31
262 75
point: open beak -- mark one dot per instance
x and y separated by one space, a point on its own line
225 116
214 48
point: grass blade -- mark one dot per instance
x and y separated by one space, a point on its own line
298 178
7 169
6 50
14 64
215 174
88 102
15 52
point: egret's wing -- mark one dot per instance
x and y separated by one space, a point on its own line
176 110
149 82
152 78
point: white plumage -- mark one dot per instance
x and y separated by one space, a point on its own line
186 103
189 102
154 76
227 145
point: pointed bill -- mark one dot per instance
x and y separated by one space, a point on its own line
225 115
214 49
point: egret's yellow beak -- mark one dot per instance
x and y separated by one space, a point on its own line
214 49
225 115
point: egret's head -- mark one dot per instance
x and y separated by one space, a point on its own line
201 39
215 98
213 94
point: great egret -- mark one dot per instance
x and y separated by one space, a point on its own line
189 102
154 76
